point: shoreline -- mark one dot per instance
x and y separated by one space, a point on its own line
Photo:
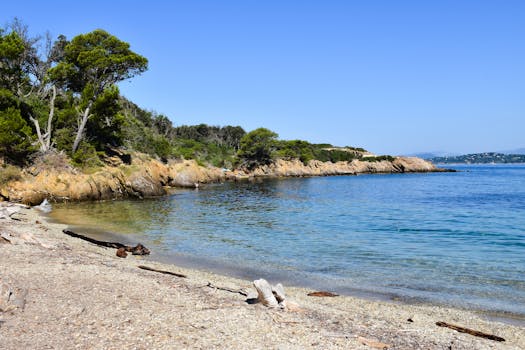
81 295
146 177
244 273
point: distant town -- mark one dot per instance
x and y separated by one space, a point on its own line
480 158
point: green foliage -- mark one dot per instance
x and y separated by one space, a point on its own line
257 147
11 60
378 158
105 125
229 136
95 61
305 151
86 156
15 136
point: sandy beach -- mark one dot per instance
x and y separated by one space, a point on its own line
59 292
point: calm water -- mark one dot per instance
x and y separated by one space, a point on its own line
452 238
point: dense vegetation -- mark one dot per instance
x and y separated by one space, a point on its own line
481 158
61 96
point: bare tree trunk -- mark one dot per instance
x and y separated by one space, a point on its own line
82 126
45 139
50 117
39 134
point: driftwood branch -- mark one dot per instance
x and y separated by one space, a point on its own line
470 331
239 291
322 294
139 249
162 271
373 343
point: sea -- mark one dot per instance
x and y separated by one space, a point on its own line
453 238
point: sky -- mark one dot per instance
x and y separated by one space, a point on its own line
394 77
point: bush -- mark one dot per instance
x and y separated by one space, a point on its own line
257 148
86 156
9 173
379 158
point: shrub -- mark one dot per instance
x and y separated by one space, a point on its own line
9 173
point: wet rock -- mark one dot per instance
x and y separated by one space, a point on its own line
139 249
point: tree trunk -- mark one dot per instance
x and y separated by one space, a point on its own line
50 117
38 134
82 126
45 140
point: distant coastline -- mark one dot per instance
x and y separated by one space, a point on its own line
481 158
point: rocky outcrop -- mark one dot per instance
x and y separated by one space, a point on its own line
142 178
146 177
286 168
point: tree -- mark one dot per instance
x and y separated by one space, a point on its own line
257 147
11 53
92 63
15 134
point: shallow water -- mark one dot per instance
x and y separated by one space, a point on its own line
451 238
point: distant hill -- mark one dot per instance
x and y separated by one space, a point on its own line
430 155
481 158
515 151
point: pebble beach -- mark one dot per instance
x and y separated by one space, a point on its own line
59 292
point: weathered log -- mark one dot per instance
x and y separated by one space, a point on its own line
162 271
278 292
115 245
470 331
264 290
239 291
322 294
139 249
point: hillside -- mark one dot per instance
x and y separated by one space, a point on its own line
481 158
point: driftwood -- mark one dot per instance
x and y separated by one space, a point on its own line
322 294
265 293
139 249
470 331
162 271
239 291
373 343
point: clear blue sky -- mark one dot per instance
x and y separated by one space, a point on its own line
394 77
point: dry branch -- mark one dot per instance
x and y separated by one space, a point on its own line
162 271
372 343
239 291
470 331
322 294
139 249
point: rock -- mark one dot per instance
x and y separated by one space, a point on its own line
265 294
4 240
11 298
121 253
44 207
139 249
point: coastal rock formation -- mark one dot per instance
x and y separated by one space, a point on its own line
142 178
317 168
146 177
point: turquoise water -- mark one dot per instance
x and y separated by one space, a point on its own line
450 238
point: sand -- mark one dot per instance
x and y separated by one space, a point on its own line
71 294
